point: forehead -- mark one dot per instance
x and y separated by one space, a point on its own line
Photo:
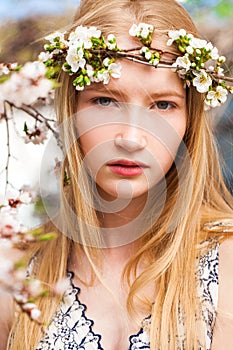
138 80
143 78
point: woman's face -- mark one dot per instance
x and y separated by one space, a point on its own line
131 128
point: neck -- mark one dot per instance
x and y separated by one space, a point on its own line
122 227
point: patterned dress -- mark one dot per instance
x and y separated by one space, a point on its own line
70 329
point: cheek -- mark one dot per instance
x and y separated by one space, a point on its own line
164 146
95 139
97 148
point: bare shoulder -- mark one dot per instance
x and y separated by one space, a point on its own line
223 331
226 274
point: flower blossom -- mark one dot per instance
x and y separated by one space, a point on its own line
111 42
197 43
174 35
31 78
4 70
44 56
32 310
114 70
56 37
202 81
9 225
36 135
182 62
82 36
214 98
142 31
75 58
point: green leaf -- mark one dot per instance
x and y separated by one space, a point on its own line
4 78
36 232
47 237
25 127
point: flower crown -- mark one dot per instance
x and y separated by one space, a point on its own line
90 57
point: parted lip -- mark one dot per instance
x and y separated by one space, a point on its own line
127 163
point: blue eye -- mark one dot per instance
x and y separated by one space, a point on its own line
163 105
103 101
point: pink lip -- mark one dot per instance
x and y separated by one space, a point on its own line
126 167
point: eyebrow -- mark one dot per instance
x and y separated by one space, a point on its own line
119 92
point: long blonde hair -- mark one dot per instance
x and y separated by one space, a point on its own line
171 242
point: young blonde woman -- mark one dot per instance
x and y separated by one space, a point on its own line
142 234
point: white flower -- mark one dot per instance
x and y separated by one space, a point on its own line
106 62
61 286
197 43
214 53
222 59
155 61
209 46
20 298
93 32
189 50
90 71
143 30
103 77
35 314
216 97
33 70
211 68
115 70
220 71
32 309
75 58
79 88
9 226
44 56
174 35
27 85
82 36
34 288
183 62
133 30
4 70
56 35
148 55
25 197
202 82
111 38
111 42
36 135
111 46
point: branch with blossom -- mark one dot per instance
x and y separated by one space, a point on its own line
26 88
14 274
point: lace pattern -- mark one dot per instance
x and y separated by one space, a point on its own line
70 328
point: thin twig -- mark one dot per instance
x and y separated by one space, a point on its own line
8 146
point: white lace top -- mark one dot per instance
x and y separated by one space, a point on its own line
70 329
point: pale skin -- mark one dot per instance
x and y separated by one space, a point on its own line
116 327
150 89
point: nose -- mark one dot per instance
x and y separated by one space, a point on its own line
131 139
132 136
